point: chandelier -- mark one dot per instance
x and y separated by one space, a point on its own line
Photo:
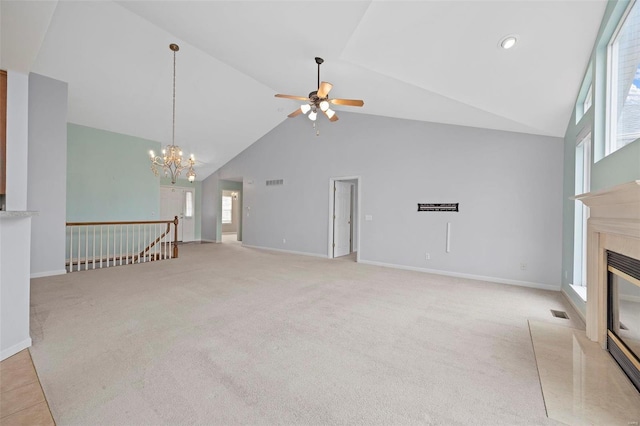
171 159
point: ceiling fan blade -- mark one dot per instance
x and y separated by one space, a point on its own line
348 102
297 98
333 118
324 89
295 113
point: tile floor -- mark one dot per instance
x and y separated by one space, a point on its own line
22 401
581 383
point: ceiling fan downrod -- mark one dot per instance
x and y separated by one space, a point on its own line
319 61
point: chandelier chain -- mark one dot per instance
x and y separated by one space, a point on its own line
173 135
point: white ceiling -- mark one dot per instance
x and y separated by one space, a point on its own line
422 60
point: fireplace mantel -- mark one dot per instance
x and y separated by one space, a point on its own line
614 224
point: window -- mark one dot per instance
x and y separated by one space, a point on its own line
188 204
582 184
588 100
624 89
227 205
585 95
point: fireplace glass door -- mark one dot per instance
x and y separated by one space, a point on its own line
623 313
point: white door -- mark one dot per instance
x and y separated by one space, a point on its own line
177 201
341 219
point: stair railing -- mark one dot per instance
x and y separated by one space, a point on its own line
95 245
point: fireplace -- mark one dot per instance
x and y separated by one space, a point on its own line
613 257
623 313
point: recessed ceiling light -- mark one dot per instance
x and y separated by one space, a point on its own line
508 42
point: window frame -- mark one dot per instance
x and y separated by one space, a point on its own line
582 183
611 122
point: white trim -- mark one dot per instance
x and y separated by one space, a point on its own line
48 273
330 216
580 290
15 349
573 305
468 276
303 253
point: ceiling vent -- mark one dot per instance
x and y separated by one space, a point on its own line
274 182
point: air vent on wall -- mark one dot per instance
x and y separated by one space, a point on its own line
273 182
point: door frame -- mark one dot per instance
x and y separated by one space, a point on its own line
358 180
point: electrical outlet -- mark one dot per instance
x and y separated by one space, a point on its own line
427 256
523 266
566 275
284 241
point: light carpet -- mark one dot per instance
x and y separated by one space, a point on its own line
231 335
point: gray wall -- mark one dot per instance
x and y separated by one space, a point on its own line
47 173
509 187
210 207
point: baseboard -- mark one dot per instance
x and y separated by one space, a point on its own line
302 253
204 240
573 305
467 276
48 273
6 353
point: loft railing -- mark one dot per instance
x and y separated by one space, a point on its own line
95 245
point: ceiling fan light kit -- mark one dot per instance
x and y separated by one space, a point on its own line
319 100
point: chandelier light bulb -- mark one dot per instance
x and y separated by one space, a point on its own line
313 115
330 113
305 108
151 154
324 105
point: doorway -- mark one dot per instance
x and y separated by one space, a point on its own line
179 201
344 225
230 218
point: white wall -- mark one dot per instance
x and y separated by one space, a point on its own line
15 231
47 182
509 186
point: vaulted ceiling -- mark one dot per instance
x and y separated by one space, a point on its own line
433 61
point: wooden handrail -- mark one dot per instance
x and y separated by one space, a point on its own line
139 222
157 240
171 245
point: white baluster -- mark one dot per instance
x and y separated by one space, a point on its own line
108 241
71 249
79 231
101 246
94 247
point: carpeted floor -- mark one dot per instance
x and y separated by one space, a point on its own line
231 335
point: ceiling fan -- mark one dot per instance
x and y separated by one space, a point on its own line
319 100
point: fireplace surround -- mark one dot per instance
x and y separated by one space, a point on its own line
613 226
